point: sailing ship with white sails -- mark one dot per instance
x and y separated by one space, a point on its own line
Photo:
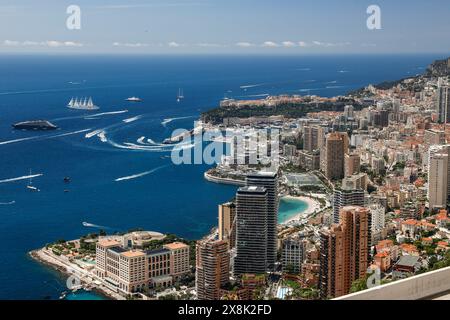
82 104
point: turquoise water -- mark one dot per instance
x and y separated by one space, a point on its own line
289 208
84 295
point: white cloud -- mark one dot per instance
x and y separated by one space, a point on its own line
55 44
174 44
48 43
130 45
288 44
30 43
244 44
303 44
73 44
210 45
330 44
11 43
270 44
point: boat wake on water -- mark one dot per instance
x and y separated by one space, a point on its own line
71 133
22 178
91 225
141 140
169 120
334 87
19 140
45 137
139 175
252 86
149 146
132 119
7 203
149 142
135 147
95 116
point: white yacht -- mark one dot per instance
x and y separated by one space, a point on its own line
134 99
180 95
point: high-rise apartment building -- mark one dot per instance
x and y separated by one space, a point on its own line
352 162
443 102
349 112
438 180
378 165
378 222
378 217
332 156
251 230
269 181
344 252
346 197
440 149
212 268
434 137
227 223
293 254
356 181
313 137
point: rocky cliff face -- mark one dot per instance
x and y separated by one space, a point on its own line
439 68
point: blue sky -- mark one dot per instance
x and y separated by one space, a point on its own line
225 26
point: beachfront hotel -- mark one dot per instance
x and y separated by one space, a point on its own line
159 268
127 270
179 259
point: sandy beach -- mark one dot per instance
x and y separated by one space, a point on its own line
312 206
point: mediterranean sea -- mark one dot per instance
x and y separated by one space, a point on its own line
121 175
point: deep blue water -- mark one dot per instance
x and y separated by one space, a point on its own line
172 198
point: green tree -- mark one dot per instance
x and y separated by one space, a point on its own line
359 284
